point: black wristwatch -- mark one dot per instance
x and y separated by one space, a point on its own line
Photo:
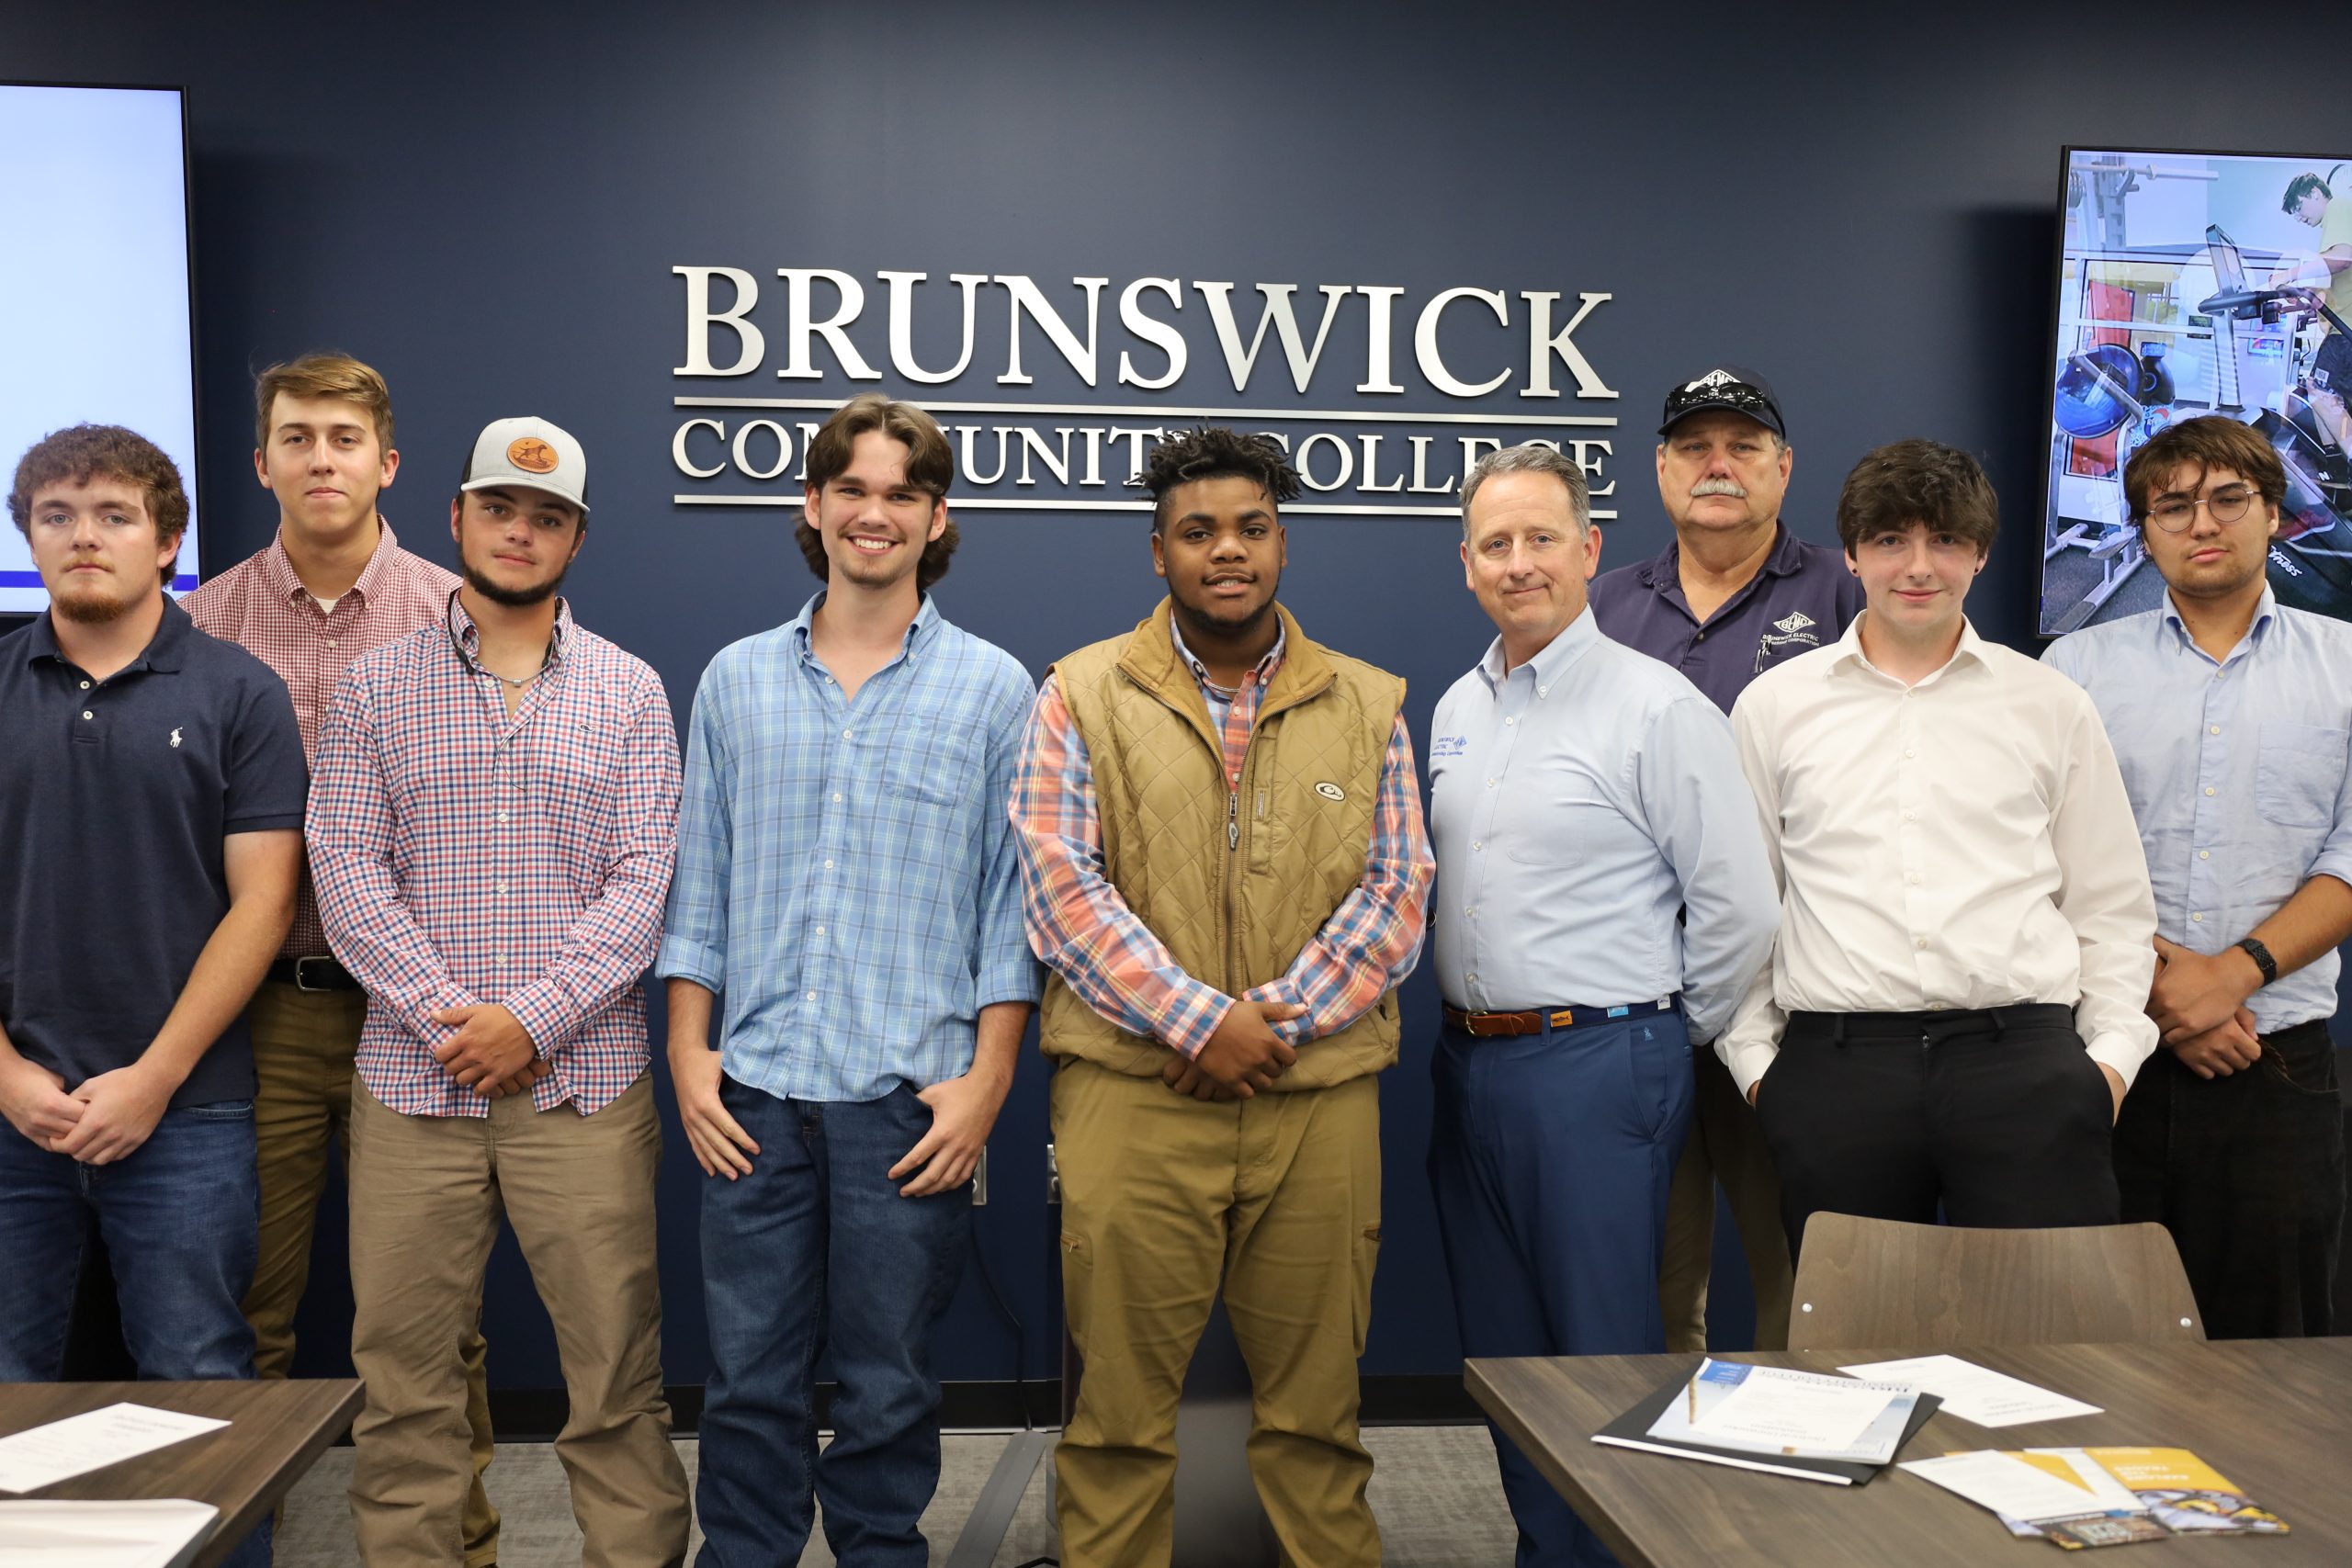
2262 959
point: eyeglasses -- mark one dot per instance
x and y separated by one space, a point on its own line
2174 512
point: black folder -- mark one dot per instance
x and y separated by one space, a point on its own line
1632 1430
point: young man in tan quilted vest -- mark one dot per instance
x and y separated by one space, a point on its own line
1226 874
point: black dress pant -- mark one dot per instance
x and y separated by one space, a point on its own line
2247 1173
1998 1118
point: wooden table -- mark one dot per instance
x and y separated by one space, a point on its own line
2275 1416
277 1430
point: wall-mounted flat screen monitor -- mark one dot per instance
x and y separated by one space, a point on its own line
96 324
2196 283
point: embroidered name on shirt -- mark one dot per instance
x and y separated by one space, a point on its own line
1445 746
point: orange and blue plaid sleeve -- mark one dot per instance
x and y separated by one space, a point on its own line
1374 939
1078 922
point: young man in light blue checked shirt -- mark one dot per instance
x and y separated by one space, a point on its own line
846 878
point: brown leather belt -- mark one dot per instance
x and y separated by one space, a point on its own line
1492 1025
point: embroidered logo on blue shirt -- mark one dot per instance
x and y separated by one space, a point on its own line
1445 746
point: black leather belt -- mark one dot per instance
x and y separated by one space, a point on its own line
319 973
1491 1025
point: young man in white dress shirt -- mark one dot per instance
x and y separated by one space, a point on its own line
1956 1005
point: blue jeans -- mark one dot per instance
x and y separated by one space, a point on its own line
815 1252
1551 1156
180 1216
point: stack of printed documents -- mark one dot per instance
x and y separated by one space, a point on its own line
2081 1498
1811 1424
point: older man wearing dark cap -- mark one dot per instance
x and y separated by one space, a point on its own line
1732 593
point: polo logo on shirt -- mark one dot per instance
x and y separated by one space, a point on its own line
1789 630
1330 791
176 737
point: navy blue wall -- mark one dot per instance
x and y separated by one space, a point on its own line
486 202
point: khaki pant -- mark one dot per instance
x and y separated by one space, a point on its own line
1160 1193
1725 1143
303 1046
426 1196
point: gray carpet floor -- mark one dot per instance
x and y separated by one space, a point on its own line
1433 1490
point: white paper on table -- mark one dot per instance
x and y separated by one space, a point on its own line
1976 1394
1801 1412
1993 1480
41 1455
2110 1494
151 1533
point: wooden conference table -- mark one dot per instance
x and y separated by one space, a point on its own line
277 1430
2275 1416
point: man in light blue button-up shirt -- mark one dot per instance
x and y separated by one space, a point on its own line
1603 899
2231 718
846 878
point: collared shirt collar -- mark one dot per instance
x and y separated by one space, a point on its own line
278 566
2265 610
1553 658
1971 649
468 636
919 630
1266 666
163 651
1664 569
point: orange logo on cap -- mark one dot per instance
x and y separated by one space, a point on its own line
531 455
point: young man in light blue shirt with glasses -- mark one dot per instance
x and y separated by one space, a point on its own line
2228 712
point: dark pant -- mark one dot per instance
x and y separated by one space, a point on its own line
178 1216
1551 1156
2247 1173
1998 1118
815 1252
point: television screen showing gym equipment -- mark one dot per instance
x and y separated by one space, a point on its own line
96 325
2196 283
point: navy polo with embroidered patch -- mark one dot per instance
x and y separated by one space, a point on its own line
1802 598
114 797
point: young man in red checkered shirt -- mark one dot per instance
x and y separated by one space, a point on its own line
493 832
333 583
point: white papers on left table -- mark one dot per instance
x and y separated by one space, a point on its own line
1976 1394
152 1533
1793 1412
1993 1480
41 1455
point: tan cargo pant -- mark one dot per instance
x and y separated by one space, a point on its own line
1160 1193
303 1046
426 1196
1725 1143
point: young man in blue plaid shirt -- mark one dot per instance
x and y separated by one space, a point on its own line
846 878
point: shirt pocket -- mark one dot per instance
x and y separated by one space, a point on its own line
2298 774
578 760
934 764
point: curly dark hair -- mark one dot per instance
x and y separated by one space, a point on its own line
1215 452
78 454
1910 483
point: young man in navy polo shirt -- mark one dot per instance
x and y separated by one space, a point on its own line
1733 595
151 792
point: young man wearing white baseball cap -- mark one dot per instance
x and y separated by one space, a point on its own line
496 823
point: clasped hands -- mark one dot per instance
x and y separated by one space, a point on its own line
491 1053
1244 1057
2199 1004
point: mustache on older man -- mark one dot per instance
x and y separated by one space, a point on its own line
1712 486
